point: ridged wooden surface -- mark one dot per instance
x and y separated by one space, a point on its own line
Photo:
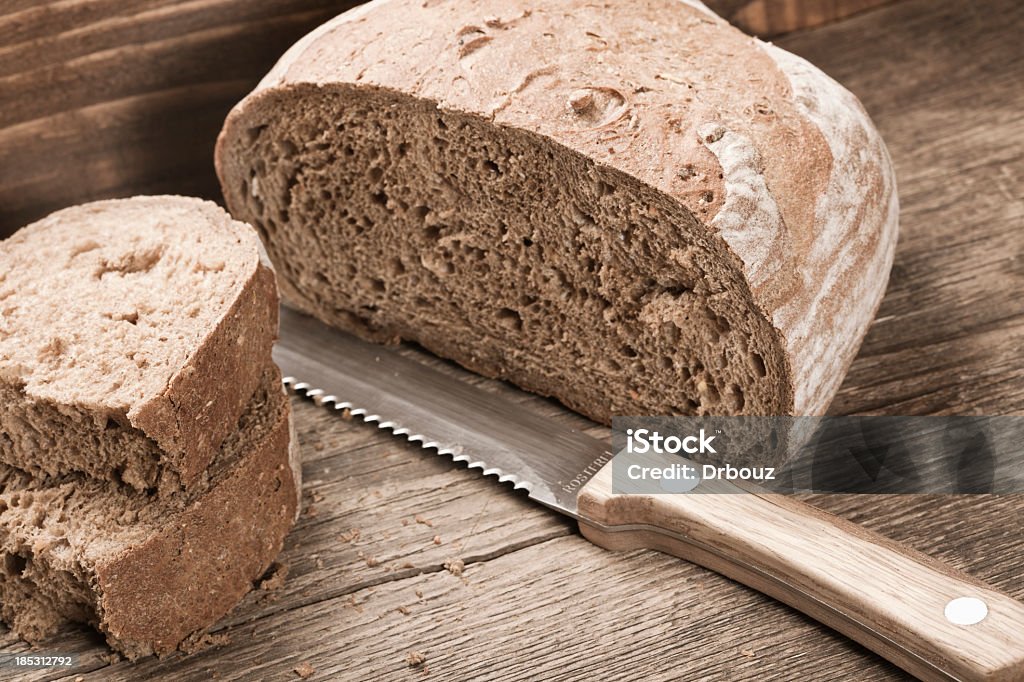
536 601
105 98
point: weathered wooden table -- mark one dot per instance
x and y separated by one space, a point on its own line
371 576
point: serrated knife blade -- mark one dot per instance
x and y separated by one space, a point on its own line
927 617
410 399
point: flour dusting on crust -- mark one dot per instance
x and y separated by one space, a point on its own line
854 241
749 220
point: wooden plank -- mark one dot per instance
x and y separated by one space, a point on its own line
538 601
109 98
771 18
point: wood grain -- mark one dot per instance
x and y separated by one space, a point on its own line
106 98
940 79
771 18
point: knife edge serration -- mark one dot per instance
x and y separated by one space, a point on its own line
332 402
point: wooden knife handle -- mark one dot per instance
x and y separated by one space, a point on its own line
891 599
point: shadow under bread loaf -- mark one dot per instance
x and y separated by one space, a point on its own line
634 208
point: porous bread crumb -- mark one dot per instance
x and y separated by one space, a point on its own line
404 610
305 670
424 521
350 536
437 539
415 659
81 512
455 566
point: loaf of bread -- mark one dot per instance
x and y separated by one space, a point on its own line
633 207
150 571
133 333
148 470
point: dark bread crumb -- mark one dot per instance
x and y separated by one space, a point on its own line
350 536
200 642
305 670
275 576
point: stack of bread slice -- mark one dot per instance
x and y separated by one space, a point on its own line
148 470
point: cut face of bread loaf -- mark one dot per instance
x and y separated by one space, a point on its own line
630 206
150 571
132 335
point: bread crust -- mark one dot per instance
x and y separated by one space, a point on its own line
199 405
204 559
735 131
151 572
202 401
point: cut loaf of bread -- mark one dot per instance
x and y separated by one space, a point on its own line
132 334
150 571
633 207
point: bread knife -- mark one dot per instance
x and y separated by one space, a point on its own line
932 620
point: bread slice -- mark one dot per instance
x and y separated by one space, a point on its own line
630 206
150 571
132 335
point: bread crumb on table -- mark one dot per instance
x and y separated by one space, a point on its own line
437 539
275 576
455 566
304 670
197 643
426 522
415 659
370 560
749 653
350 536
